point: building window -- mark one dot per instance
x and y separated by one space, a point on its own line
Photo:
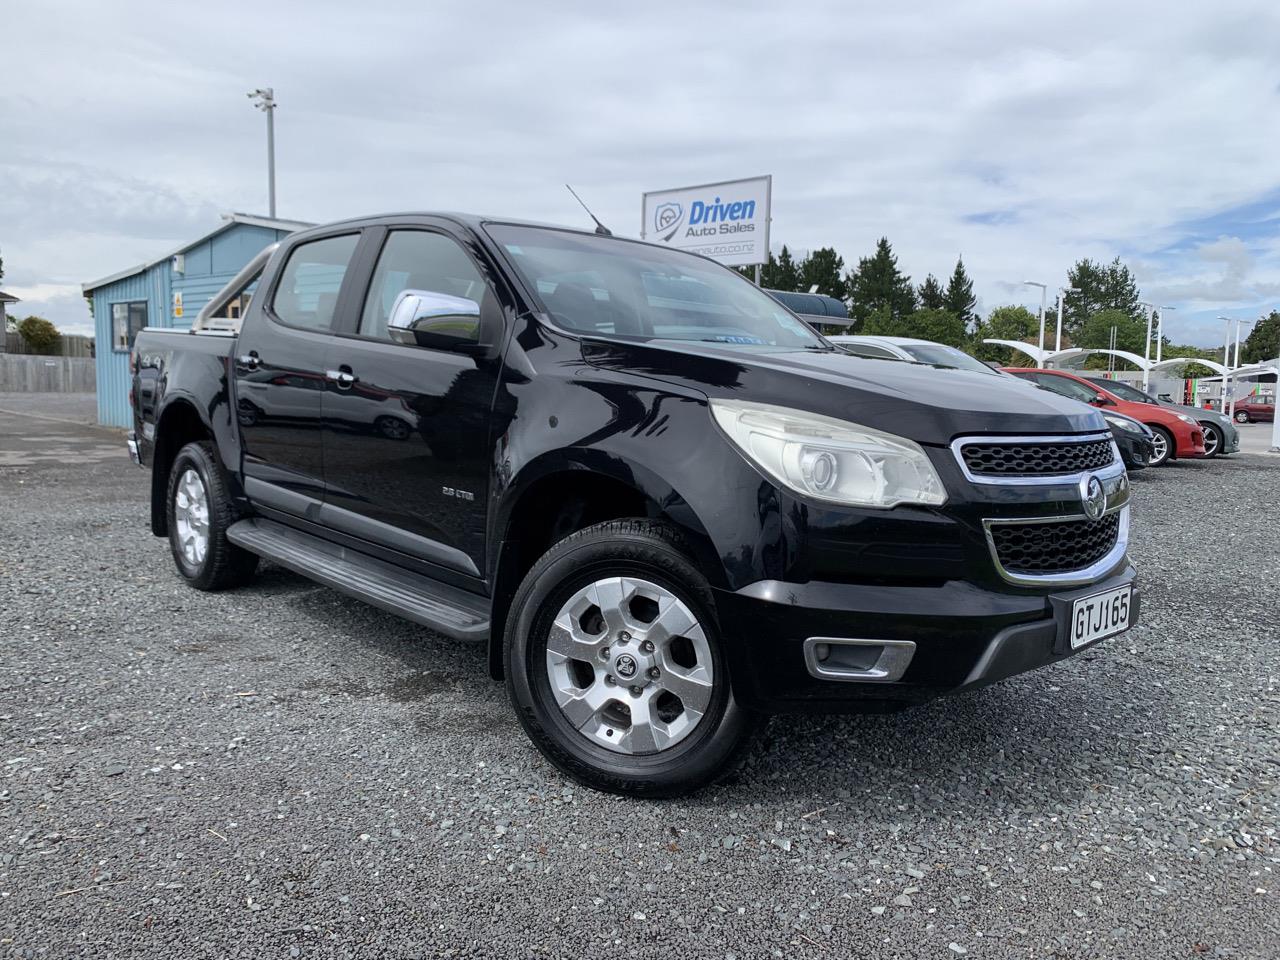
126 320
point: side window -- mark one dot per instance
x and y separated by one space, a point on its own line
1068 388
126 320
308 290
420 260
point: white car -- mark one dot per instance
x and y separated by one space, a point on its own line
911 350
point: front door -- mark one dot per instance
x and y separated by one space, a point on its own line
280 375
407 442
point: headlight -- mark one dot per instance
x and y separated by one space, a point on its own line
830 459
1126 425
1185 419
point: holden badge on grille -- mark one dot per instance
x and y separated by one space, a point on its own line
1093 497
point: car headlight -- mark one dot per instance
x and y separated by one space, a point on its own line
1185 419
830 459
1125 425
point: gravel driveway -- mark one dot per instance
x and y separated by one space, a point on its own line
283 772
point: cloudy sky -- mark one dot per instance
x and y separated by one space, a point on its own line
1021 135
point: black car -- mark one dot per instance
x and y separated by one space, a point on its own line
664 503
1134 439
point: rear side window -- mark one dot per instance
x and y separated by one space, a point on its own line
308 290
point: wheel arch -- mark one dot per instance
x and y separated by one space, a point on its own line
559 496
179 423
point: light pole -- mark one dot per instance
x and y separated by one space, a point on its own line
1146 352
1044 293
1160 333
264 98
1232 413
1226 359
1062 294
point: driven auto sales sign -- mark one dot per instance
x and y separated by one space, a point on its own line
726 221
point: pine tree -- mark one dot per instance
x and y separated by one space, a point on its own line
932 296
1264 340
822 269
787 275
959 299
877 284
1099 287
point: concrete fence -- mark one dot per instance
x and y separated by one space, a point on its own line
24 373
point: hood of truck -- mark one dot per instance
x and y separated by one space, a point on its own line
924 403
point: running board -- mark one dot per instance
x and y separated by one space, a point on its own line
445 609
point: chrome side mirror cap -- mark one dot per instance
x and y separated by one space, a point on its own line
424 318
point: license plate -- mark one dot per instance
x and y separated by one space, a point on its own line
1098 616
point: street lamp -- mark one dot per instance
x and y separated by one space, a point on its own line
1232 413
1160 332
1044 292
264 99
1146 352
1062 293
1226 359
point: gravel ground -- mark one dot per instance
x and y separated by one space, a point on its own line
283 772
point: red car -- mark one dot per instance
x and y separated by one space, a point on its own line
1250 410
1177 435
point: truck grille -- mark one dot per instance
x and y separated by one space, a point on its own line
1044 549
1003 458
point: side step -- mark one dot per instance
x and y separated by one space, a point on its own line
443 608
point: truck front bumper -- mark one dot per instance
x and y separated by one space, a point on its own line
897 645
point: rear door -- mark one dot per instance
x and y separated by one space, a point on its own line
407 427
280 373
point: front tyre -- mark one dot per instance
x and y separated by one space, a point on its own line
1212 440
1164 447
200 510
615 666
1242 416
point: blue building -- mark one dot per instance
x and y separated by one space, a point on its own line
167 292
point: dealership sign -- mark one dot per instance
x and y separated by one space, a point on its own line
726 221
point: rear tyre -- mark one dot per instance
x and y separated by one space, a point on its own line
1212 440
1242 416
615 665
1164 446
200 510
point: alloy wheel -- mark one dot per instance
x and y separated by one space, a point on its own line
629 665
191 513
1161 449
1211 441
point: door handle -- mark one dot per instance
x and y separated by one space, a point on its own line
343 378
249 360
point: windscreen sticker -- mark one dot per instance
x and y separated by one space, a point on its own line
515 249
791 323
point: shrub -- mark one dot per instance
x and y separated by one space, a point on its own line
40 335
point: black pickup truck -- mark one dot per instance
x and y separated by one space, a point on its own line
667 505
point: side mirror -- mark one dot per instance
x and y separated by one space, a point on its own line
423 318
1100 401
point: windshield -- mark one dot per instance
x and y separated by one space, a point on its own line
1122 390
941 355
605 286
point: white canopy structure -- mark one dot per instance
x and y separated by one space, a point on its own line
1074 353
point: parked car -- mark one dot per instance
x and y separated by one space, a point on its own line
665 504
910 349
1134 439
1250 410
1220 434
1176 434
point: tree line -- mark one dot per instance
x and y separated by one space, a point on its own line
884 301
